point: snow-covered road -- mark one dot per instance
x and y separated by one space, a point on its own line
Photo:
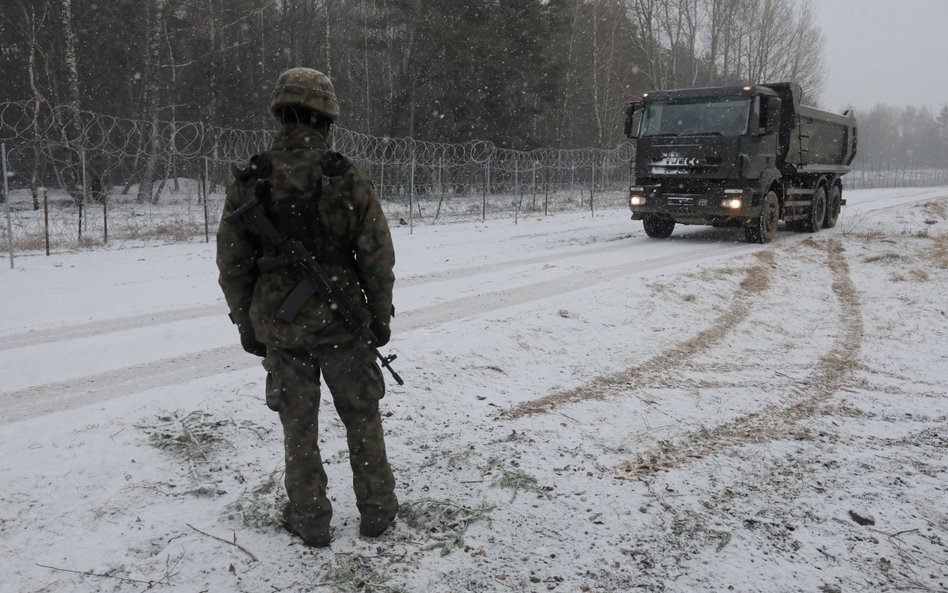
584 408
133 330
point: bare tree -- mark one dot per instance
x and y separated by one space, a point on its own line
69 57
33 24
154 10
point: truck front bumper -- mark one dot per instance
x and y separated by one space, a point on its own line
715 206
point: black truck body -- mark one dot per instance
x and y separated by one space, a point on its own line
737 156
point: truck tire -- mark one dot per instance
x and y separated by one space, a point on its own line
658 227
814 222
765 227
834 203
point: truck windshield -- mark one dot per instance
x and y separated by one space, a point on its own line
698 117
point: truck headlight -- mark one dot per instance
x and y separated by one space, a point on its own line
733 203
636 200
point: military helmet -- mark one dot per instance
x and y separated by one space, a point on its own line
308 88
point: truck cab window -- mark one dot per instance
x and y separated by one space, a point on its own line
705 117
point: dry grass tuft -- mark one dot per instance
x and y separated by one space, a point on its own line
177 230
936 209
874 235
939 251
88 241
766 256
30 242
884 258
756 281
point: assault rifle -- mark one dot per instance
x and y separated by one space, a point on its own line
252 216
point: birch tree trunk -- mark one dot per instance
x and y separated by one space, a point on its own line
70 174
327 46
40 105
69 56
153 11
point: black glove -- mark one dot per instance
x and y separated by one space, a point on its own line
252 345
382 331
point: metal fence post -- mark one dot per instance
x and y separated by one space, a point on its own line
440 188
381 180
105 215
486 189
6 201
517 190
546 192
83 198
411 193
534 186
206 181
46 219
592 188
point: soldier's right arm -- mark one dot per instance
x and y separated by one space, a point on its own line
237 254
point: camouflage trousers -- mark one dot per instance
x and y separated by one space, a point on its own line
356 385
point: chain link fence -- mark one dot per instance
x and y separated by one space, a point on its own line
83 179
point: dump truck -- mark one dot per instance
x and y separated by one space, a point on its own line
737 156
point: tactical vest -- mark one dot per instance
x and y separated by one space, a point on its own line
298 216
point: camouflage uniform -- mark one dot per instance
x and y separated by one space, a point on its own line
335 212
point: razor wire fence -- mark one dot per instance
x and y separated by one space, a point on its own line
884 176
80 179
76 178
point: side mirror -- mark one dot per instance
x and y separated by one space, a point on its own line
772 121
630 110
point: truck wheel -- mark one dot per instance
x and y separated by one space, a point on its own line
834 203
657 227
765 227
814 222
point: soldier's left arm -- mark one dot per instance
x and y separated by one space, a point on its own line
373 248
237 254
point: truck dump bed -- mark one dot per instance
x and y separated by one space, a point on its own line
813 140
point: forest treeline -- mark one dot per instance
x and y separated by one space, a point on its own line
519 73
906 136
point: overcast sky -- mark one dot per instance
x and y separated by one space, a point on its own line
885 51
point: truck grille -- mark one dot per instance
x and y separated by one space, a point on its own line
685 203
683 208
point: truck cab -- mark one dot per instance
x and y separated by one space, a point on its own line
734 156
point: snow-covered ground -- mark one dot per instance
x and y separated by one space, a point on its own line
585 409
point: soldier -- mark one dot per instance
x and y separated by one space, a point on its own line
320 198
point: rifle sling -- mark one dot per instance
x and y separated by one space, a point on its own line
296 299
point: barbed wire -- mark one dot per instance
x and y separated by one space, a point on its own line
84 157
38 128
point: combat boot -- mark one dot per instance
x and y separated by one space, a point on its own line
314 537
374 525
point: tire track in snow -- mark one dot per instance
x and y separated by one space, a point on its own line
52 397
756 281
94 328
40 400
774 421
